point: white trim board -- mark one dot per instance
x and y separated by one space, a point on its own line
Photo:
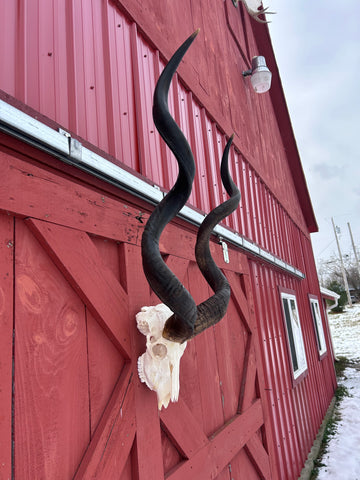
61 145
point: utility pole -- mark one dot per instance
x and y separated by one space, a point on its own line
342 266
353 245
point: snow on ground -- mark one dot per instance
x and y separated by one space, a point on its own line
342 460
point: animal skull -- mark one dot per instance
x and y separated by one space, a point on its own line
159 366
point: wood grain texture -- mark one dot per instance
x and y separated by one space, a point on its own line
74 204
187 435
231 339
171 456
149 456
290 416
105 360
248 391
83 268
243 467
259 456
51 372
105 365
224 445
207 368
239 298
111 444
47 194
6 342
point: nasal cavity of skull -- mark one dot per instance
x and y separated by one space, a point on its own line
159 350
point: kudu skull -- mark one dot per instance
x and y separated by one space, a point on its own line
185 319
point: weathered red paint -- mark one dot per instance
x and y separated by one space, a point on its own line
65 292
91 67
7 242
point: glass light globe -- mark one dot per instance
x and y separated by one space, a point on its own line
261 81
260 75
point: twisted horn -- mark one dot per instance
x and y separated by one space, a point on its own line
212 310
187 320
164 283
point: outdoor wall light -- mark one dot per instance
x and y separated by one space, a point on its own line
260 74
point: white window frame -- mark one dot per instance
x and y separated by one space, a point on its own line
295 339
318 325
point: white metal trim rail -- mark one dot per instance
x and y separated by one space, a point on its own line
61 145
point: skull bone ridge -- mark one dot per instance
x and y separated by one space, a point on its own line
159 366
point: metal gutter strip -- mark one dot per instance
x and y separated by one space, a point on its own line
60 144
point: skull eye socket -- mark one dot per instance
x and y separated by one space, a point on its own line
159 350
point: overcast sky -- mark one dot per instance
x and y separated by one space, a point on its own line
317 48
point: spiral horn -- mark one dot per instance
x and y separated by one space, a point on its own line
188 319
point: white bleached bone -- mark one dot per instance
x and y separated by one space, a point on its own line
159 366
254 9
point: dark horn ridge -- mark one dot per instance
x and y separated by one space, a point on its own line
163 282
212 310
188 319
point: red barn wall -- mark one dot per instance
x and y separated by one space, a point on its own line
97 81
91 68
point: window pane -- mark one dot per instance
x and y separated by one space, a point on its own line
290 334
299 344
295 338
315 310
316 325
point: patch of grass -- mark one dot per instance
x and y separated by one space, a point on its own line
331 427
340 365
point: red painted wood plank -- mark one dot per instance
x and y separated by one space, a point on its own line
207 368
184 430
149 462
105 365
259 457
189 381
224 445
29 189
231 337
111 444
6 341
51 410
239 298
79 261
247 392
45 193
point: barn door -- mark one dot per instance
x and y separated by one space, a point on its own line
71 401
73 377
80 411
